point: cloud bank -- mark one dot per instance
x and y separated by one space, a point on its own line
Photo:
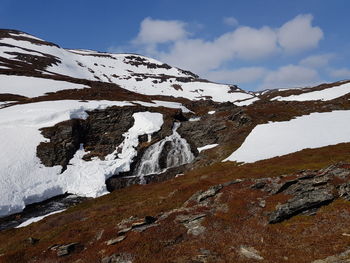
243 46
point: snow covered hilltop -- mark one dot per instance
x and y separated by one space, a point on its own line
88 123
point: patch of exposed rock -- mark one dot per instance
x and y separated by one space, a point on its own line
341 258
308 191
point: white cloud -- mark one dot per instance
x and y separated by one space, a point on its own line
290 76
298 34
230 21
238 76
317 61
249 43
340 73
201 56
153 31
243 43
207 57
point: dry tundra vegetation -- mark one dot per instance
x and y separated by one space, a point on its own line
212 211
92 223
232 224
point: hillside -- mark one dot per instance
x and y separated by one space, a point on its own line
123 158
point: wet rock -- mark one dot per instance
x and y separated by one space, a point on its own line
115 240
64 250
250 252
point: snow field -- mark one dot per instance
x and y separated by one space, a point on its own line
325 94
279 138
24 180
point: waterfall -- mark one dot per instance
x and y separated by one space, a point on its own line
170 152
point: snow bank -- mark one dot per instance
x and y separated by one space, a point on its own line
24 180
207 147
246 102
280 138
38 218
166 104
325 94
33 87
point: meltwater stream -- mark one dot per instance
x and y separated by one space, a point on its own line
178 152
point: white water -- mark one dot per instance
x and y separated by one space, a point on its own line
179 154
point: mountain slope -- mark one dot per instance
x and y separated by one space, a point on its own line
20 51
78 124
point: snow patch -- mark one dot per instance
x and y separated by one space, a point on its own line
33 87
195 119
324 95
38 218
207 147
246 102
166 104
19 128
279 138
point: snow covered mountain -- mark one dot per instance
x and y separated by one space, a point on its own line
80 124
22 52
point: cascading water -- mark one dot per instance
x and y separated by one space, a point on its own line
170 152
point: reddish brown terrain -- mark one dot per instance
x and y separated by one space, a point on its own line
290 208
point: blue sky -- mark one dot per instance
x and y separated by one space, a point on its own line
256 44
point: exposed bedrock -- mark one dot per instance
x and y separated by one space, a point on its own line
100 134
310 190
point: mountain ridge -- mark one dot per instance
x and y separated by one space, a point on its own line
74 137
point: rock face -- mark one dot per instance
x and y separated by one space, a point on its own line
311 190
100 133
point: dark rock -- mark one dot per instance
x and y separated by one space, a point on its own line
150 219
301 203
258 185
32 240
285 185
65 139
310 191
212 191
65 250
164 154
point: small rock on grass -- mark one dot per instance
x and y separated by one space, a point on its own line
115 240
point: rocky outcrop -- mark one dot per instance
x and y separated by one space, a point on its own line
65 139
341 258
311 190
